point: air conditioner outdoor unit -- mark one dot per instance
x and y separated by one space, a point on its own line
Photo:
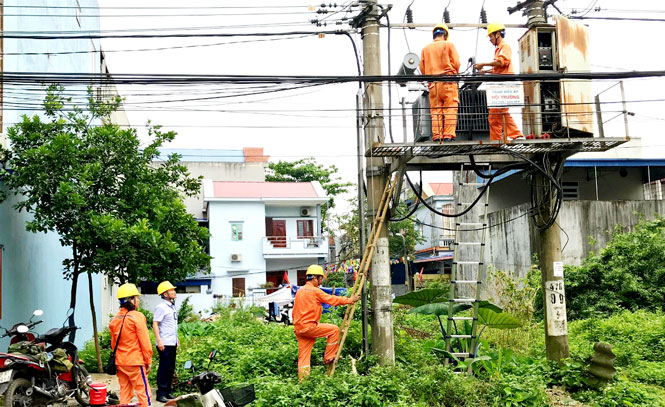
304 211
236 257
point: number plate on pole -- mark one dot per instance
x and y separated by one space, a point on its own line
557 325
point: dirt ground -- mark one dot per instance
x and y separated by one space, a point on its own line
111 385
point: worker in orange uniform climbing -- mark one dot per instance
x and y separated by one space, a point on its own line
441 58
133 355
499 119
306 316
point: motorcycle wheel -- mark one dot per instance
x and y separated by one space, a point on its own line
82 394
16 394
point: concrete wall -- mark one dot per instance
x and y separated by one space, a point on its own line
32 263
615 183
62 19
32 278
511 245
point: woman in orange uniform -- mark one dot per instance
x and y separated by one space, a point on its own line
306 316
441 58
499 119
134 354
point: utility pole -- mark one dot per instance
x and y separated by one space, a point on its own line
551 267
549 237
383 343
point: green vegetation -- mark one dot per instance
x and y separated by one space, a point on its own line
513 371
628 274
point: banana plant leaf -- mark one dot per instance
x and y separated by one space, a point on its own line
441 308
499 320
423 297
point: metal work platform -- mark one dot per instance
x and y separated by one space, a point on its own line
449 155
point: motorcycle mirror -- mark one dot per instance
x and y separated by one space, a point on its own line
22 329
212 354
38 313
188 365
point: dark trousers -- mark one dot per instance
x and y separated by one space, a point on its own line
165 370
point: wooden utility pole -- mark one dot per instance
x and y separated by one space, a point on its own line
383 343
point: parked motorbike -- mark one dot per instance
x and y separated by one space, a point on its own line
21 331
204 382
36 377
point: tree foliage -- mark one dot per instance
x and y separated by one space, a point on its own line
308 170
103 193
403 235
628 274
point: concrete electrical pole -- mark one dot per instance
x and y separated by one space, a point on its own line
383 343
549 238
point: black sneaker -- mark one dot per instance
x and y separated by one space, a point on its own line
162 399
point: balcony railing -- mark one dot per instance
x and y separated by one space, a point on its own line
284 246
444 241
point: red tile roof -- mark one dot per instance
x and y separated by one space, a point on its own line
443 188
241 189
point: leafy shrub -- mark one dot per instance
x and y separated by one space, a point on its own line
88 355
635 336
649 372
148 316
622 394
628 274
186 310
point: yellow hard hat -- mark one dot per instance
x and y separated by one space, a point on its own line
127 290
494 27
441 26
164 286
314 270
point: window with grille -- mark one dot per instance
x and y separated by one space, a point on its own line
653 191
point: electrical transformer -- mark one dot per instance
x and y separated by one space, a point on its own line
558 108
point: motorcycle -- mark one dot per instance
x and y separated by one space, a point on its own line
234 396
21 332
35 378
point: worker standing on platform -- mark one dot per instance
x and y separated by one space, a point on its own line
306 315
441 58
499 119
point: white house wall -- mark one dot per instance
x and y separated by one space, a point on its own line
253 266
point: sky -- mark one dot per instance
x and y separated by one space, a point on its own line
320 121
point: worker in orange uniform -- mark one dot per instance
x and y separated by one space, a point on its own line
133 356
306 316
441 58
499 119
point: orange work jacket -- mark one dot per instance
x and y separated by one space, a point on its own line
135 348
307 306
504 55
439 58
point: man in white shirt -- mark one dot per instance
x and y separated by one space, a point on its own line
165 327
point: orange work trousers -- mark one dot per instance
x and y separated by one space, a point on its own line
443 102
306 340
501 122
134 379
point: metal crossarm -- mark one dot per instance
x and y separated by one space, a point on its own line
365 262
467 267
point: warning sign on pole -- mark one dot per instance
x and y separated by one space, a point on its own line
505 94
557 324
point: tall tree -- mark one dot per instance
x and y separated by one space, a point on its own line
403 235
90 181
307 170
